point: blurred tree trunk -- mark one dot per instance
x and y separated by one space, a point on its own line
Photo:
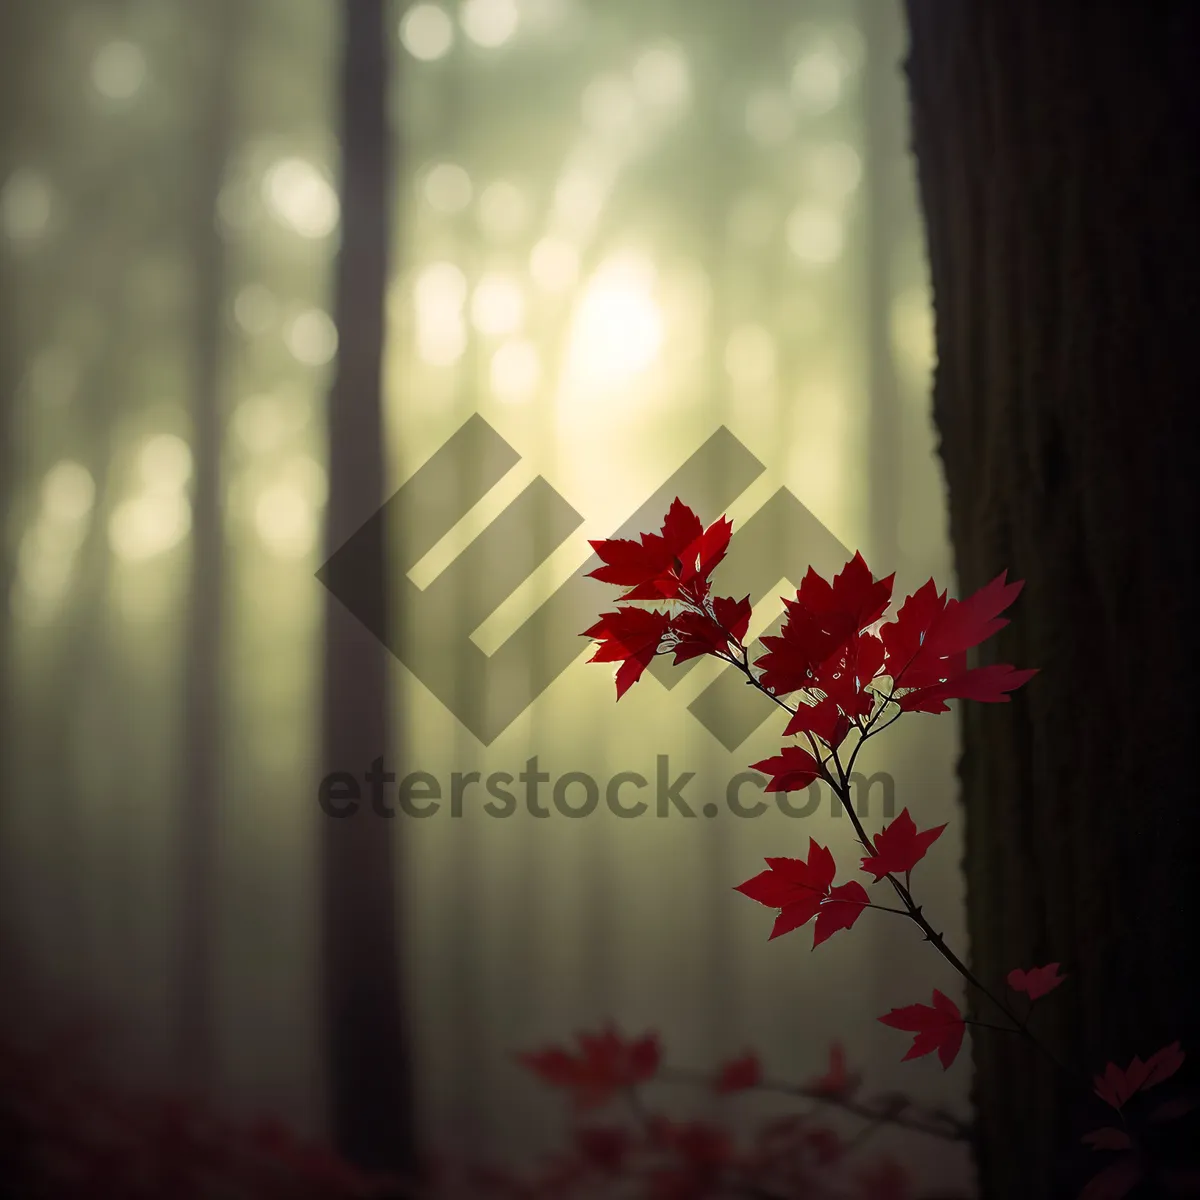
367 1058
200 813
1057 156
13 37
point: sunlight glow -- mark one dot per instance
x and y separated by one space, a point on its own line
554 265
489 23
426 32
119 70
516 371
440 293
497 306
617 330
301 197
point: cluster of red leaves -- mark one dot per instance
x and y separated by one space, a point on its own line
844 665
648 1155
65 1134
828 647
605 1065
1139 1156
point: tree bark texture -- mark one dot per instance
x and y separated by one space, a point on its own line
1057 158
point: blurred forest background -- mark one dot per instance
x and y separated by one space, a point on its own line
614 228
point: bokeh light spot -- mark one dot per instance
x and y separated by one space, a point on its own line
427 32
164 463
814 235
68 492
489 23
617 330
119 70
312 337
301 197
448 188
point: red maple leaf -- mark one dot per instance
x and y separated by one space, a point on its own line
739 1074
802 890
790 770
794 886
990 685
605 1065
824 719
899 847
697 633
1115 1086
852 602
630 636
844 676
795 653
839 910
820 621
1037 981
673 563
939 1027
926 647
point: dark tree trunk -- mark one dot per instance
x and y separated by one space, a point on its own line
1058 169
202 681
367 1061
